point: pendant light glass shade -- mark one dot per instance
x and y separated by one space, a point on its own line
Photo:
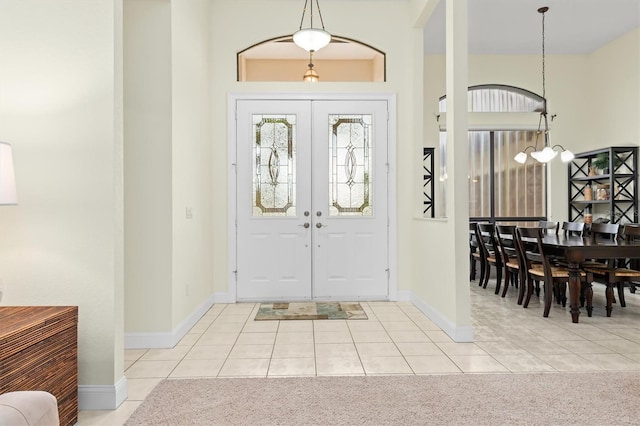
311 39
521 157
311 76
547 154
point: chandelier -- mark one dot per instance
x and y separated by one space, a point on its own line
547 153
311 76
311 39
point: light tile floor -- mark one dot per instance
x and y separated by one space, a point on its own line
396 339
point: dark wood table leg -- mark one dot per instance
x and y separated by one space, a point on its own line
609 293
574 290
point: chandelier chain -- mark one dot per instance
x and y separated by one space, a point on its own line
304 11
544 95
319 14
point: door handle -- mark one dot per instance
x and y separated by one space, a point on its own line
305 225
320 225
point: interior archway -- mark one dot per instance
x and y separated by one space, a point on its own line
279 59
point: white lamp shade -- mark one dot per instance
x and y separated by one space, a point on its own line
544 156
7 177
520 157
311 38
566 156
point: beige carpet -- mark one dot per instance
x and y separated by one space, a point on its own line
464 399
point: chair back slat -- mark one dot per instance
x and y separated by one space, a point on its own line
604 230
631 232
549 227
505 234
528 240
487 239
573 228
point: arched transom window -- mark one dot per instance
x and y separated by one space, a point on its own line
279 59
501 189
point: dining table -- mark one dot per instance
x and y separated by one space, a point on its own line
575 250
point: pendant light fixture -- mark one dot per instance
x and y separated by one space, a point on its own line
311 39
311 76
548 152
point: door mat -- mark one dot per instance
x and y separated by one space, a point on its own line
310 311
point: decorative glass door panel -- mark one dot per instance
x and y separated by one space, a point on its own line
350 176
274 173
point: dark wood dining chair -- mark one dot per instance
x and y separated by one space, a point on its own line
549 227
505 234
475 254
491 252
538 267
573 228
601 231
607 231
616 273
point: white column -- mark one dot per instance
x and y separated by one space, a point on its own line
458 150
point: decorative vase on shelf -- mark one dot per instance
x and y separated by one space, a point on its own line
593 171
588 193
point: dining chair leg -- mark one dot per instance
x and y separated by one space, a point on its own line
487 267
588 292
483 272
548 298
561 291
498 280
472 269
623 303
509 279
523 286
529 293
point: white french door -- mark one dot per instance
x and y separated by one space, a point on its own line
312 219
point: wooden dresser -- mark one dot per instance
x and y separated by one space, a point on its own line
39 351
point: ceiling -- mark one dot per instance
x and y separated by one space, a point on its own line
515 26
501 27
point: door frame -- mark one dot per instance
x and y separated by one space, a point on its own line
232 99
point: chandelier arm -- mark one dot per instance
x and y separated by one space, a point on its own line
304 11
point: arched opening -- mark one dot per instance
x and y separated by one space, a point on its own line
279 59
501 189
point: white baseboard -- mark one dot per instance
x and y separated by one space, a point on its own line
458 334
102 397
164 340
222 298
403 296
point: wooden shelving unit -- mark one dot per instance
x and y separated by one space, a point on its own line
614 191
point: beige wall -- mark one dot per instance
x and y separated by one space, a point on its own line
167 168
60 107
148 165
233 30
614 97
293 70
191 153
